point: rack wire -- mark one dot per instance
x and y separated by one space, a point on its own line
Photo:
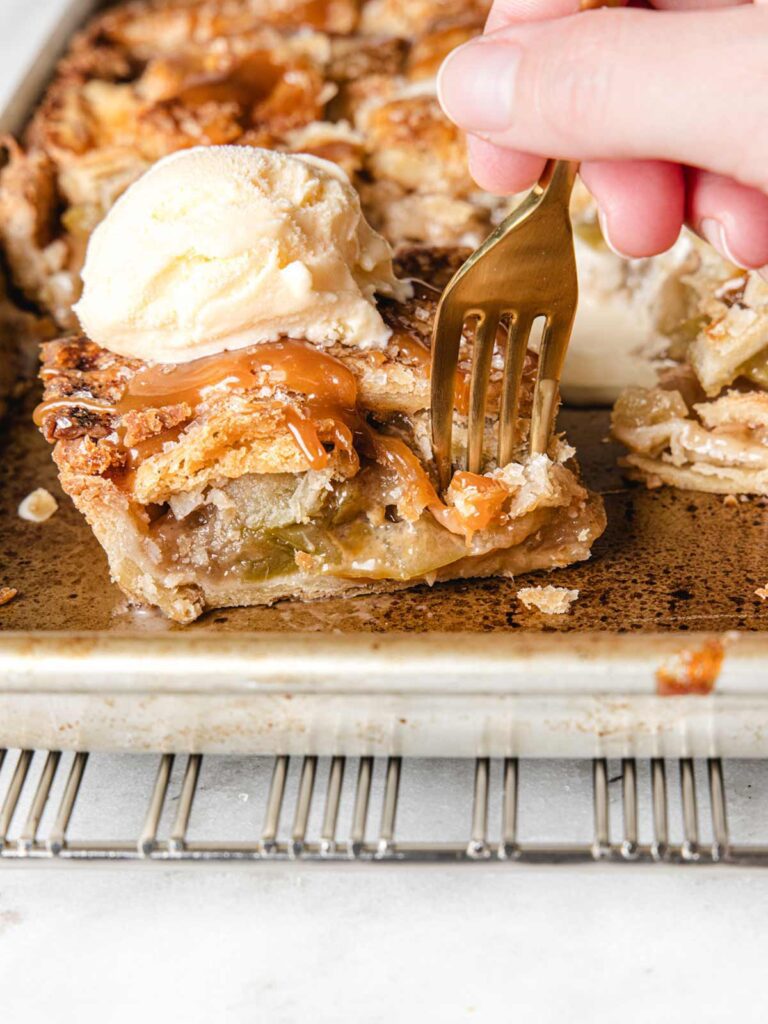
27 802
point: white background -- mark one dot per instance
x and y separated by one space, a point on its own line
388 944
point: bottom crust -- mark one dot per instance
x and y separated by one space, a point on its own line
704 477
554 538
718 445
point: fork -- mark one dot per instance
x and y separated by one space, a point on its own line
525 270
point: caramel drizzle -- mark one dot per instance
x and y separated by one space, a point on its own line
417 353
55 405
328 387
330 390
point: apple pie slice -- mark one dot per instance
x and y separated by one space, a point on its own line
291 470
705 427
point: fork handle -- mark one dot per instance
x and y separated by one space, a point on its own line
555 184
557 179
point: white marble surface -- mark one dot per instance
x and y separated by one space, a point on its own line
381 944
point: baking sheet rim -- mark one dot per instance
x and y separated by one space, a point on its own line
594 663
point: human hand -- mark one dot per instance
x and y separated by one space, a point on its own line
666 109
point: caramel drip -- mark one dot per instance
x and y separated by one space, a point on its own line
483 501
395 454
304 433
294 364
461 392
249 82
330 390
413 350
330 396
54 405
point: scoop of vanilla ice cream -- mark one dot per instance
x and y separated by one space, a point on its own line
221 247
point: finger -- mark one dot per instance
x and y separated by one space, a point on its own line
507 12
502 171
592 86
695 5
732 217
506 171
641 203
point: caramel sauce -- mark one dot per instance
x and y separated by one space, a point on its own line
397 456
54 405
415 351
461 392
693 672
304 433
330 396
330 390
294 364
482 501
193 83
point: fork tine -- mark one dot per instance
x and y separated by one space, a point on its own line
446 341
509 411
554 344
482 353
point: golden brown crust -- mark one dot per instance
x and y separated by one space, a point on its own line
408 18
411 143
236 436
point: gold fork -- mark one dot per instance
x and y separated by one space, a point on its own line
525 269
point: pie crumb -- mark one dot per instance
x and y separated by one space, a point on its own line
7 594
653 482
762 592
549 600
730 501
38 506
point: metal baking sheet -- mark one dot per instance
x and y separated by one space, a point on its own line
459 669
462 668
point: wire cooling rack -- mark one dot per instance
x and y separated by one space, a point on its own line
321 809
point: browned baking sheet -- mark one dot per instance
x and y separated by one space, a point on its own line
668 561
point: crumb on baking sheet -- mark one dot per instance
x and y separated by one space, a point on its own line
7 594
549 600
38 506
762 592
730 501
691 672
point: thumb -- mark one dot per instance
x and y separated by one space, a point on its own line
688 87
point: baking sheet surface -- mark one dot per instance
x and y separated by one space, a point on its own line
668 562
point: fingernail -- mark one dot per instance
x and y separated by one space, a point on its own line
714 232
476 85
602 220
